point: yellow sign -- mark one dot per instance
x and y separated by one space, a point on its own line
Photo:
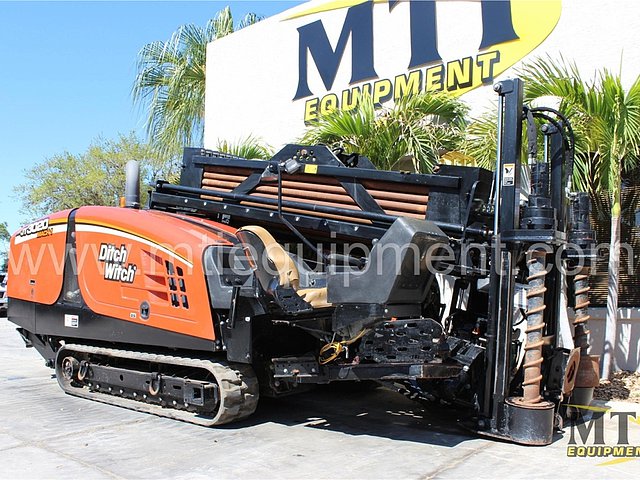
511 29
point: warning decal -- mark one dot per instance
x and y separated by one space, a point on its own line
508 174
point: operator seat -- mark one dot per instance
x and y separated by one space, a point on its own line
399 273
275 269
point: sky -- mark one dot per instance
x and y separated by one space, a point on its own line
67 70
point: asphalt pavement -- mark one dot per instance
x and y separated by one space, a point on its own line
325 434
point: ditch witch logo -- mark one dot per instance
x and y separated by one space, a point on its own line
583 429
510 30
114 260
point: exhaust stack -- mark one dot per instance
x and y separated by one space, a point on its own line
132 185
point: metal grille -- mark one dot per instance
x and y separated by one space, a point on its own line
177 287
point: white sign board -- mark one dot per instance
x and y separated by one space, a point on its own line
269 79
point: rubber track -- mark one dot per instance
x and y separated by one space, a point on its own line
237 384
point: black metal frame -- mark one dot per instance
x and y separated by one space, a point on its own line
507 218
186 197
502 416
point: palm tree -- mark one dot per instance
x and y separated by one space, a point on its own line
607 119
420 127
170 81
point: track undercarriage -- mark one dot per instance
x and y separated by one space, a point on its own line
195 390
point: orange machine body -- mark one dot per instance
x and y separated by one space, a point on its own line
36 259
138 266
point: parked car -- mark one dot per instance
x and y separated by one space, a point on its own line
3 295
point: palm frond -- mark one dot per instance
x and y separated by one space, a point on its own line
250 147
170 81
480 141
248 20
421 127
605 118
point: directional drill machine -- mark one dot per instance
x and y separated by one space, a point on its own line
267 277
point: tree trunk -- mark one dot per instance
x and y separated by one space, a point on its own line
610 328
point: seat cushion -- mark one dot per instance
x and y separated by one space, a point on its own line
286 269
316 297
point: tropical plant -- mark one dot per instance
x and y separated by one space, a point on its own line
249 147
606 118
422 126
95 177
480 140
170 81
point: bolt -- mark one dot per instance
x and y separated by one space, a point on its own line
497 87
144 395
174 402
121 391
135 394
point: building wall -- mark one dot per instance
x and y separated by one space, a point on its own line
595 34
252 75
